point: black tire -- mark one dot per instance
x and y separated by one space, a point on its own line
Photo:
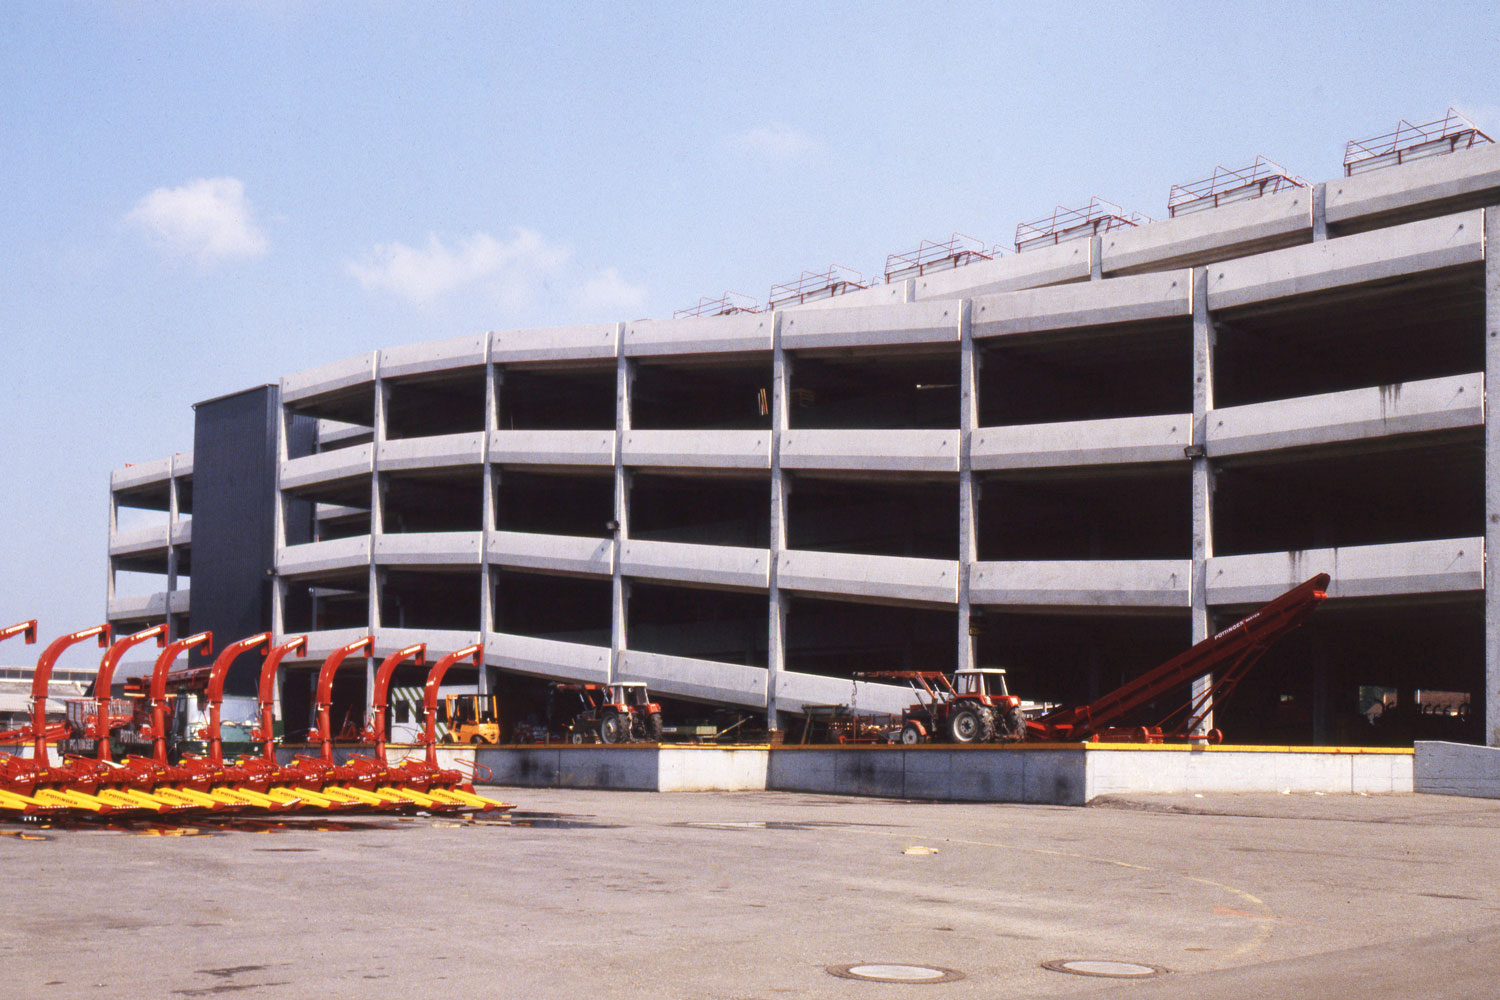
477 740
576 736
971 724
1015 724
614 729
653 727
911 734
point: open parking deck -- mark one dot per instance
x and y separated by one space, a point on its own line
756 894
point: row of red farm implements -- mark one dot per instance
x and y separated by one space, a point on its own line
155 785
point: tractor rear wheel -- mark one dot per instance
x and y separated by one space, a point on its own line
614 729
971 724
653 727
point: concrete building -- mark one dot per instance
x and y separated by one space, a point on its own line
1071 461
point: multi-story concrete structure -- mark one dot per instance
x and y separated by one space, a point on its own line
1072 461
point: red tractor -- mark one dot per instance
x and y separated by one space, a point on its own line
970 706
614 713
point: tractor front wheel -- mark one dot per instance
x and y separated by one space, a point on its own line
911 734
653 727
971 724
613 728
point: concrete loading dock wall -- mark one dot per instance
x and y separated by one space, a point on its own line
1072 774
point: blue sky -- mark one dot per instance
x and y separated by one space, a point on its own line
201 197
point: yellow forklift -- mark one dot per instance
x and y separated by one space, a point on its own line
471 718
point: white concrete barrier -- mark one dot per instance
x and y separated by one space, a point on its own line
1457 769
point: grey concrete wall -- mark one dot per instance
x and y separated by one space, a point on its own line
1457 769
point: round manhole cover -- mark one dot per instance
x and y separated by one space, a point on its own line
1103 967
886 972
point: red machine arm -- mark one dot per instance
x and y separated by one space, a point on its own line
106 680
325 689
27 628
43 677
216 678
159 688
429 694
380 703
1235 649
265 693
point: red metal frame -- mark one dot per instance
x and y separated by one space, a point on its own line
106 680
1064 224
930 255
27 628
812 285
1261 178
430 690
265 694
325 689
43 677
216 678
727 304
159 688
1448 134
380 700
1227 656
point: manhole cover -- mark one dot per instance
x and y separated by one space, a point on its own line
880 972
1103 967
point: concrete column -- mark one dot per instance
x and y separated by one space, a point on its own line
114 529
173 510
968 533
1320 212
1096 258
1202 486
278 530
776 622
620 606
377 495
1491 476
487 619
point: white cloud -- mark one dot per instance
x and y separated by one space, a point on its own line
779 142
608 293
208 219
513 268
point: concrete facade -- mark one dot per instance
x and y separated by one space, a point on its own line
1072 462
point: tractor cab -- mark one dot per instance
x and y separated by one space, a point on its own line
986 683
630 694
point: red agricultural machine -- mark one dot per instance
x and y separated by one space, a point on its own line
208 783
613 713
974 706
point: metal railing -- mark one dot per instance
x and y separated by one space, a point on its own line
727 304
1261 178
1064 224
812 285
1409 142
930 255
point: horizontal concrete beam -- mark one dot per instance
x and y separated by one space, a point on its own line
871 450
552 553
872 326
328 378
552 447
711 565
796 690
1163 583
697 449
566 661
156 472
437 451
1215 234
1464 173
1350 260
558 343
895 578
1401 568
738 333
706 680
314 558
327 467
1403 408
1083 442
154 606
1084 304
434 355
428 548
